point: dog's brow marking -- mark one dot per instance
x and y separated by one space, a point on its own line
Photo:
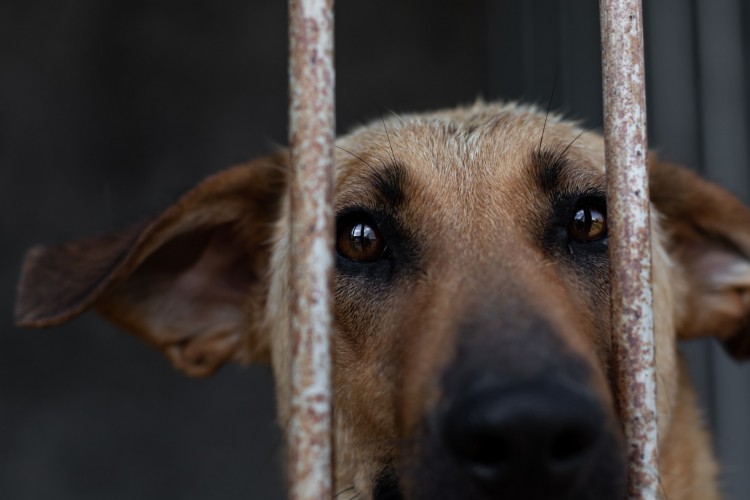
549 166
389 182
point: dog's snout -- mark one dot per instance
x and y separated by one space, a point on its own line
532 434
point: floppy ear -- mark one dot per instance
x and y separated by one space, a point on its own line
191 282
709 236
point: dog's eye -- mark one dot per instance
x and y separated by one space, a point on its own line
588 224
360 240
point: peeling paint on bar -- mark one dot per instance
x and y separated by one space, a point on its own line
629 238
311 132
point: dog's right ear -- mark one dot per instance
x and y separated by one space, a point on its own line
708 235
192 282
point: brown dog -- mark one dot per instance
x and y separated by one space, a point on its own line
472 348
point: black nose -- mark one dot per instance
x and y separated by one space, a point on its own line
529 439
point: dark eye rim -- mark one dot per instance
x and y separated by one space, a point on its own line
589 203
346 221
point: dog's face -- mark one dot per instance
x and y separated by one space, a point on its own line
472 345
471 301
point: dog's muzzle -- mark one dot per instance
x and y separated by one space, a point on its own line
517 418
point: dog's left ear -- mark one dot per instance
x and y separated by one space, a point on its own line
191 282
708 234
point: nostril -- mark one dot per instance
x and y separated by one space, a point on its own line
476 435
490 451
572 443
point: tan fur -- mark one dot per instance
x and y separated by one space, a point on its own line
468 182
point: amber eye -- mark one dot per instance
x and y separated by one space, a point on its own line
589 224
360 240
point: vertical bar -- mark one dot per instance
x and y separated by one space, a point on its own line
311 131
630 245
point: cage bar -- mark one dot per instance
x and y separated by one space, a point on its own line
311 136
629 238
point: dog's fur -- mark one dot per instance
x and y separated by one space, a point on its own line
482 289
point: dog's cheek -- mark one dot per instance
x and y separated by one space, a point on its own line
366 375
586 286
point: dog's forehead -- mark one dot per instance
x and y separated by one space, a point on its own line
487 156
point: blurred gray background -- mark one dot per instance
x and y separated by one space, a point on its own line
109 109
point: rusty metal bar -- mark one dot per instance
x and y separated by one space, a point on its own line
311 133
630 244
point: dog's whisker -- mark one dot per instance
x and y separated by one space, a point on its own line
549 107
358 158
345 490
570 144
395 115
662 489
387 135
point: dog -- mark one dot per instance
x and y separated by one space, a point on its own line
472 348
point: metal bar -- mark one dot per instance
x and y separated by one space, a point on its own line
311 132
630 244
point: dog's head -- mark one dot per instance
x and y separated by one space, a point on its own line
472 342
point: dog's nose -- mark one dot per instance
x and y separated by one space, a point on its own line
534 435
